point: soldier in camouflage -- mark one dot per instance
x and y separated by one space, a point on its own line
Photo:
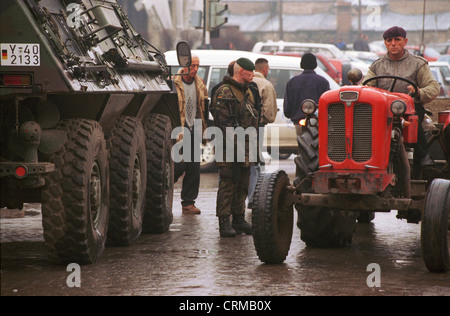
235 110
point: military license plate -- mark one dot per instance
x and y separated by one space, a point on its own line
21 55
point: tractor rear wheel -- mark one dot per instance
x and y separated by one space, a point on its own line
320 226
435 233
272 217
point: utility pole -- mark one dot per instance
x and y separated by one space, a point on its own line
280 19
422 45
206 23
359 18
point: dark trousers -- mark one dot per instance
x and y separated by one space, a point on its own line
233 190
421 148
191 180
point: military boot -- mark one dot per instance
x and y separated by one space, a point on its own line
225 228
240 225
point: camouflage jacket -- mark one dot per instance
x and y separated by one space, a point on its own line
236 116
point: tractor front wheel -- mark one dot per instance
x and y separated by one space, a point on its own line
272 217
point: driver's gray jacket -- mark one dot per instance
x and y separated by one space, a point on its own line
411 67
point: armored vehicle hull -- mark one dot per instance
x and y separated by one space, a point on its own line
86 111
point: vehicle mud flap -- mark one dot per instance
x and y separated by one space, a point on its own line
435 233
75 199
160 174
272 217
128 168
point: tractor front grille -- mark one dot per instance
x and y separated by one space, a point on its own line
336 132
362 133
361 150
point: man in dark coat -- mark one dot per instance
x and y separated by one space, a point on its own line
307 85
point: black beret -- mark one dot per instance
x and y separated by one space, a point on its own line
309 61
245 63
394 31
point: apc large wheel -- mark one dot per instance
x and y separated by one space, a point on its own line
75 200
272 217
160 174
128 169
435 227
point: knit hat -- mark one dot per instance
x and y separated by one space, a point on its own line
394 31
245 63
309 61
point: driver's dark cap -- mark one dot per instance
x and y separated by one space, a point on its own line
395 31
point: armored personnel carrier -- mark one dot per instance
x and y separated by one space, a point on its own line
86 114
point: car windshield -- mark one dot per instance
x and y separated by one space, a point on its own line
279 79
445 71
432 52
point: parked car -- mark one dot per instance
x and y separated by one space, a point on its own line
366 57
429 53
441 72
328 50
342 62
442 48
378 47
326 64
445 58
438 77
444 67
213 67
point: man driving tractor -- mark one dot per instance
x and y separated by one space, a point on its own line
400 62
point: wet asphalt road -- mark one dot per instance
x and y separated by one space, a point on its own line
191 260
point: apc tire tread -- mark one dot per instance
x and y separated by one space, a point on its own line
160 174
67 220
127 145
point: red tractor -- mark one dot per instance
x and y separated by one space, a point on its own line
355 159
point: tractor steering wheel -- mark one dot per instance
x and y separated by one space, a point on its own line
416 89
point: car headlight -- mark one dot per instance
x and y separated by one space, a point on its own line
309 107
398 107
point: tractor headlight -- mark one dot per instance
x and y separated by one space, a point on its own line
398 107
309 107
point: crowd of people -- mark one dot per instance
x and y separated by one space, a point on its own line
245 98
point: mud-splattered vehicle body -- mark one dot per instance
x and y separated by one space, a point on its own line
87 110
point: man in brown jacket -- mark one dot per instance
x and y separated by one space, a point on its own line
269 111
192 95
400 62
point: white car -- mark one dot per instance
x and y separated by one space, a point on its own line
213 67
444 67
330 51
327 50
441 72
